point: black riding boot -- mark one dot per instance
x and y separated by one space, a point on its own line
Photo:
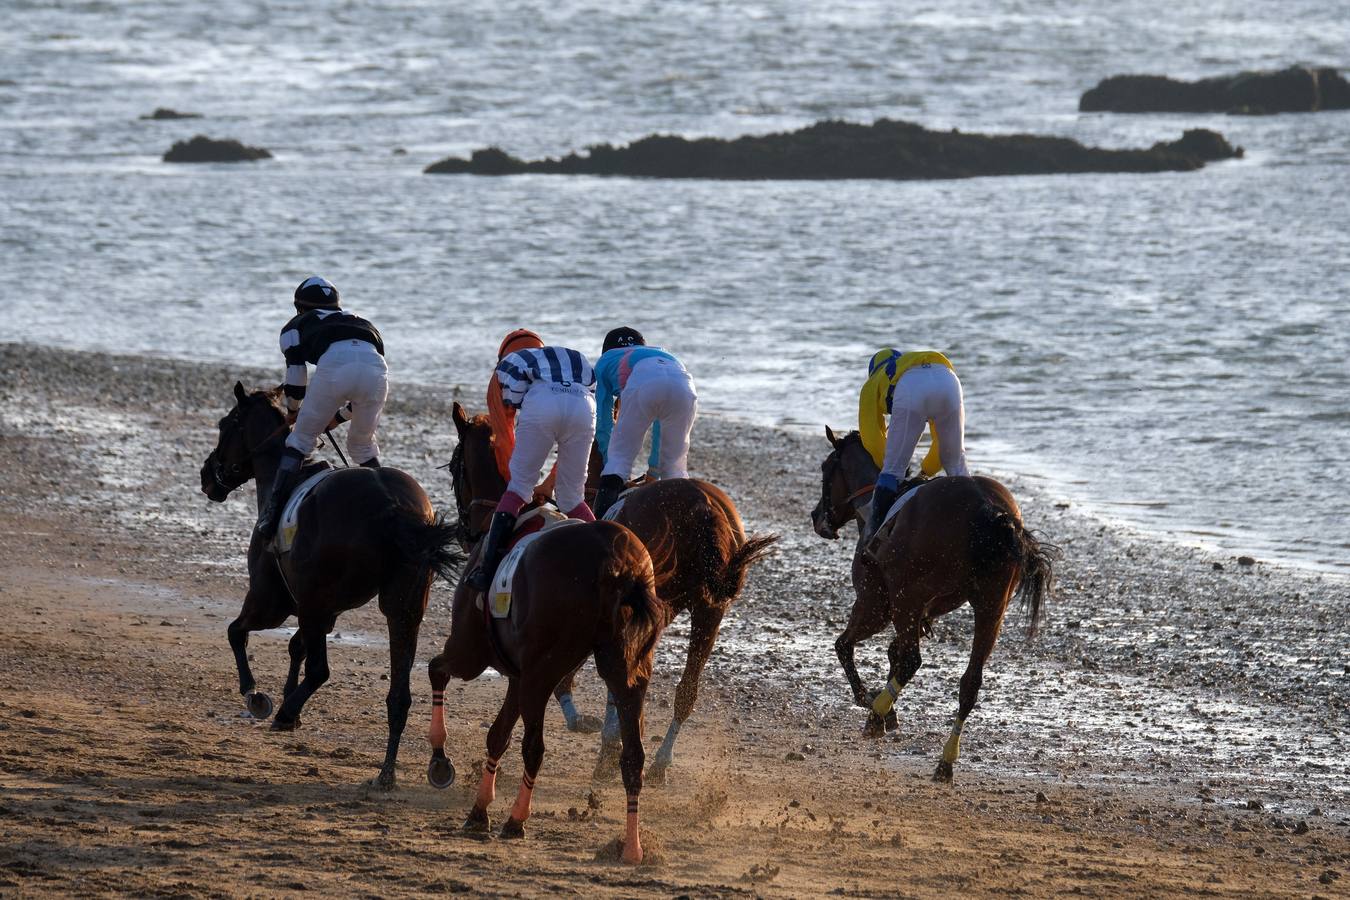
501 527
372 463
610 488
288 473
882 500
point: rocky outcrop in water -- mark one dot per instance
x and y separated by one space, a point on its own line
202 149
1296 89
162 113
828 150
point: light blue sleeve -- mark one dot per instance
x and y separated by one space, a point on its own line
654 460
605 377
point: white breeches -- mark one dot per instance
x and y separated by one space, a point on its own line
658 390
553 414
927 393
348 371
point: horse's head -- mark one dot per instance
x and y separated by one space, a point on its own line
255 419
847 473
473 474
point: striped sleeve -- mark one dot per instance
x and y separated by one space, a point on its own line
514 375
297 376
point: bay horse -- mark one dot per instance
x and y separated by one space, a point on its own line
690 522
957 540
361 532
580 589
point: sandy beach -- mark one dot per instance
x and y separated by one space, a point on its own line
1178 726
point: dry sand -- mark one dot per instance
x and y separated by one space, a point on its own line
1177 727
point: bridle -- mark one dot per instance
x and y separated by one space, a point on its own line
219 472
467 535
851 500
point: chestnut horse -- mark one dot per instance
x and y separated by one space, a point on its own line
361 532
691 519
580 589
957 540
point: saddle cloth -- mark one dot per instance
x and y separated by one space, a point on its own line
500 591
617 506
290 513
884 529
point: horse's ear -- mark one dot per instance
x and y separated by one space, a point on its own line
461 418
239 393
829 434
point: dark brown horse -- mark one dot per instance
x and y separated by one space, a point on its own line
957 540
692 523
581 589
361 532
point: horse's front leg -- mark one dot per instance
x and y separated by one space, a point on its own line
465 657
263 608
581 723
315 635
905 661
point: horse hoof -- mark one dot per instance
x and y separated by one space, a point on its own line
511 830
478 822
585 724
944 773
607 766
259 705
875 727
440 771
385 781
892 722
279 725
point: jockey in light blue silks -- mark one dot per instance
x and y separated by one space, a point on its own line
657 393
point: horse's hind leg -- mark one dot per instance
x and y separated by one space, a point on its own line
629 701
581 723
403 627
704 623
498 739
905 661
315 632
988 621
533 702
296 649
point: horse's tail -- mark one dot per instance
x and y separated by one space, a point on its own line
430 546
1001 539
639 615
731 579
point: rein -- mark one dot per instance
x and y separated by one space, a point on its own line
860 492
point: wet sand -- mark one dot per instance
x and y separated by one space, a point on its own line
1176 727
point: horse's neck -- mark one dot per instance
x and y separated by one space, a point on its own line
265 464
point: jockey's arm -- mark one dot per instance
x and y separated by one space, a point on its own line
297 375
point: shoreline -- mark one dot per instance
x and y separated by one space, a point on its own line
1027 474
1163 699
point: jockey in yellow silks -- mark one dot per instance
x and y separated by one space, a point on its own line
915 389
